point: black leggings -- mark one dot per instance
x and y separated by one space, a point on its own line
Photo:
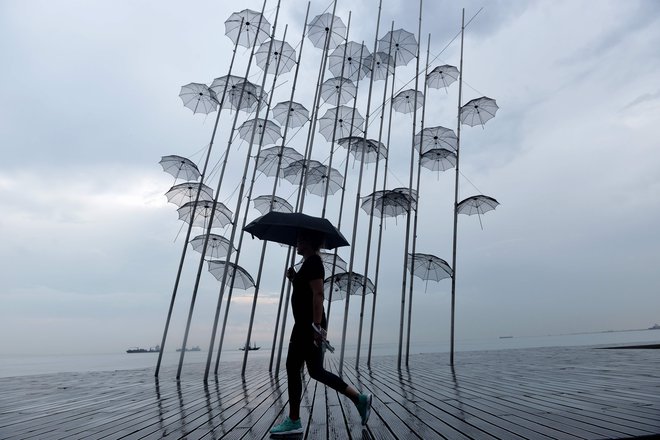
306 352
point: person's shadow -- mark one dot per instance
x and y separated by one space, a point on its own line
288 436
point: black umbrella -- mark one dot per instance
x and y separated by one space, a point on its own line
283 227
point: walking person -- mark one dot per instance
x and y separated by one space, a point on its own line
308 337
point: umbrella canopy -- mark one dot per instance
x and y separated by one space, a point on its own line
320 176
294 171
429 267
339 87
399 44
217 246
340 285
269 158
203 210
265 204
281 51
442 76
406 101
247 27
435 137
479 204
283 228
373 150
198 98
232 86
379 65
478 111
241 278
296 114
187 192
345 120
328 260
180 167
349 58
438 159
320 27
271 131
390 202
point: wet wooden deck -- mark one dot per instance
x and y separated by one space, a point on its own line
554 393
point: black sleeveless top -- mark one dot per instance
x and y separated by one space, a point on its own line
302 297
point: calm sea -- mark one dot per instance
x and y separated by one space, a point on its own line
28 365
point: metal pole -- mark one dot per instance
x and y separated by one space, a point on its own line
366 263
239 201
224 167
458 145
380 226
192 215
412 161
414 236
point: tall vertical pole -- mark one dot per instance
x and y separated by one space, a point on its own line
409 214
378 153
351 260
210 225
380 224
458 145
249 198
239 201
414 235
192 214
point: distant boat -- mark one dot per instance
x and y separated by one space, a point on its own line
655 327
155 349
195 348
253 347
505 337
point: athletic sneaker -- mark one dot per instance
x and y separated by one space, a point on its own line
287 427
364 407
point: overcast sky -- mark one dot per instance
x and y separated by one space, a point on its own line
90 103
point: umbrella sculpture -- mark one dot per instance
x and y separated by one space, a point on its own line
247 27
294 171
282 227
217 247
198 98
265 204
478 111
382 65
340 282
299 115
282 55
407 101
236 275
270 157
479 205
400 44
319 177
442 76
373 150
322 25
180 167
428 267
203 210
341 88
435 137
438 159
390 202
328 260
349 58
234 86
346 120
185 192
267 130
